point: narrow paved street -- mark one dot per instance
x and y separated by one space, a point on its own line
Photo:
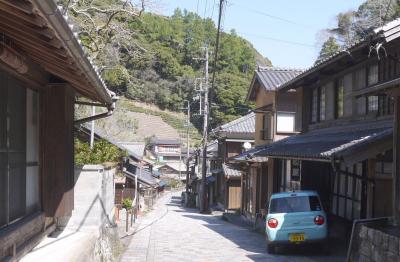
174 233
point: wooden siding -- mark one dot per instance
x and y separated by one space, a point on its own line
57 116
234 194
20 232
349 100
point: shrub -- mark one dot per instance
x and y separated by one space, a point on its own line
127 203
101 153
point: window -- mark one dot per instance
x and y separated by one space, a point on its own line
295 170
266 132
295 204
289 172
285 122
347 191
339 98
372 73
322 103
373 103
19 144
314 106
384 164
386 105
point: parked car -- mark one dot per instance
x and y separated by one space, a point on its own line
295 218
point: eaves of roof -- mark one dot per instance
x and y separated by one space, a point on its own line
386 33
63 28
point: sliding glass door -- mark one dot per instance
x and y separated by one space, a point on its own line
19 146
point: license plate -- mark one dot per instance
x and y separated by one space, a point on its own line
296 237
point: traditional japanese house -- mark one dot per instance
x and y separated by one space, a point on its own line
345 149
276 116
175 170
44 72
166 150
232 139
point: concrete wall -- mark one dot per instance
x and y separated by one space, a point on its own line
93 198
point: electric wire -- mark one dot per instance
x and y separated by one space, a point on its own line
282 19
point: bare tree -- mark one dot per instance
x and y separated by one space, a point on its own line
103 28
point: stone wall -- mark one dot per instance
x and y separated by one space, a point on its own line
374 245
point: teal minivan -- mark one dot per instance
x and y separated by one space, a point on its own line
295 218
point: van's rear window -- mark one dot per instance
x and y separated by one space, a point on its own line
295 204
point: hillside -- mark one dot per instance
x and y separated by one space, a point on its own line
137 121
151 58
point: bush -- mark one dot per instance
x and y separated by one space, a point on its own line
127 203
101 153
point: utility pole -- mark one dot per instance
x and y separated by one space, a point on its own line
203 198
187 146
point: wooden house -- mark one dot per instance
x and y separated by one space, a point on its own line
345 149
165 150
232 138
277 116
44 72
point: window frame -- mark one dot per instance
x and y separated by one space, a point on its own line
293 114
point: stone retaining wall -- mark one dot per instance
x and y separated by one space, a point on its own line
375 246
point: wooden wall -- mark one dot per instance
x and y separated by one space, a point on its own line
234 194
57 116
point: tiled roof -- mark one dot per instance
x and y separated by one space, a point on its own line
389 31
250 156
156 141
64 31
273 77
244 124
177 166
338 142
135 149
230 172
143 176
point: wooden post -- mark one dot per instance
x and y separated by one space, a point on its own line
396 160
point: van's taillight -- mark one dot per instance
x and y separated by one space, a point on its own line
319 220
272 223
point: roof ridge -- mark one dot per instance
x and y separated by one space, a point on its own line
275 68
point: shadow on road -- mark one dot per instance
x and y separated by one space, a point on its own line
255 243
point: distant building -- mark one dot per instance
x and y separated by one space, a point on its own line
164 150
232 138
175 170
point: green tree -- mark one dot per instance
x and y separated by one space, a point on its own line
329 48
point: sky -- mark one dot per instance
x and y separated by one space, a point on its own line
288 32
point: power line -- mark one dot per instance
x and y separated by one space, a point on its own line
212 12
205 9
279 40
276 17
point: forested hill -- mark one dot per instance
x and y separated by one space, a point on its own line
151 58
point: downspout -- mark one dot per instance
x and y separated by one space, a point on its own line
110 111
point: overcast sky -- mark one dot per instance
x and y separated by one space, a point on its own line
288 32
